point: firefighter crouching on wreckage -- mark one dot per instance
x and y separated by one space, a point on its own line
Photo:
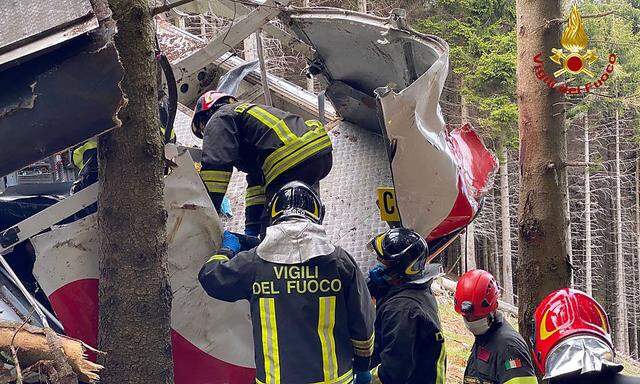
409 345
572 341
499 354
272 146
311 311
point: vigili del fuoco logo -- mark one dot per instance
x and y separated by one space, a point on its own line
574 59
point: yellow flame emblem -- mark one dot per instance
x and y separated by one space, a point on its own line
544 332
574 40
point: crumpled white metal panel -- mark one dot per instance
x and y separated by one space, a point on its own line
217 333
439 176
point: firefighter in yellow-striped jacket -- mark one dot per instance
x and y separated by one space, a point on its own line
272 146
311 311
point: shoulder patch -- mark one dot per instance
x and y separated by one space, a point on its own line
484 354
512 363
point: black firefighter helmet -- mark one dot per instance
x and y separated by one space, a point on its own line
296 199
403 252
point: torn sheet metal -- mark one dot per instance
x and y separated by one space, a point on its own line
29 26
230 82
67 269
439 177
58 99
357 53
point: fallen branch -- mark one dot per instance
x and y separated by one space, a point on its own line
16 362
33 345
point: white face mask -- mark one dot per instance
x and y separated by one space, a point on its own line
478 327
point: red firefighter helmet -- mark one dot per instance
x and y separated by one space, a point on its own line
564 313
206 105
476 294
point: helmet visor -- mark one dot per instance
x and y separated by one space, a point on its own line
581 354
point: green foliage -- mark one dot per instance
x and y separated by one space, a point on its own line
483 55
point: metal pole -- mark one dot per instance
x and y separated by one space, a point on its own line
24 291
263 70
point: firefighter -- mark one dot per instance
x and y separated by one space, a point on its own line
409 345
272 146
85 156
572 341
311 312
499 354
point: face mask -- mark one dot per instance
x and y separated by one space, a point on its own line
478 327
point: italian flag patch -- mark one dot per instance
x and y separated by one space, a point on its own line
513 363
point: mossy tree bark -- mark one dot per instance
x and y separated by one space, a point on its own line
134 293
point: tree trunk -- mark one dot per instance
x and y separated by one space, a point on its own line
505 217
495 267
542 220
362 6
621 330
470 242
485 253
637 319
568 238
134 293
587 211
470 252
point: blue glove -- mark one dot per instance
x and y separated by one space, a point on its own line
363 377
376 275
225 208
231 242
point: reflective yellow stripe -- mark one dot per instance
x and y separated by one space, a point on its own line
78 153
363 348
314 124
218 258
298 157
220 176
216 187
270 349
241 108
273 122
255 191
523 380
255 196
441 364
256 200
375 379
346 378
326 322
280 153
172 136
363 344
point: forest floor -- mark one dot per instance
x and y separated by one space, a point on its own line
459 341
